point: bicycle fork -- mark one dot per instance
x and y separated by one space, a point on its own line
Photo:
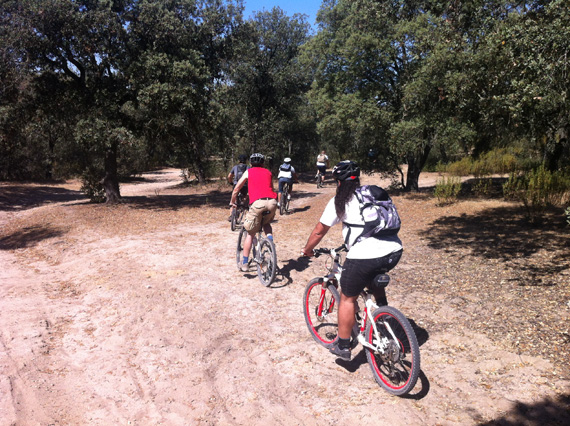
380 343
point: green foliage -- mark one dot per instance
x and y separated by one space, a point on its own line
482 187
496 161
537 190
447 189
91 185
567 213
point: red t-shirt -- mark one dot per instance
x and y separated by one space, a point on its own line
259 184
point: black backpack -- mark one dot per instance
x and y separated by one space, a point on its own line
378 212
241 168
285 167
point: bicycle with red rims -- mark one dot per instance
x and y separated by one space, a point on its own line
391 346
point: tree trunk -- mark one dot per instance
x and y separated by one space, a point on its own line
415 166
111 179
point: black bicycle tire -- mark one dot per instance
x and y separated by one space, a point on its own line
283 198
233 219
413 350
239 251
240 216
266 281
309 308
287 199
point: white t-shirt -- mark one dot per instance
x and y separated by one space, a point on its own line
369 248
322 163
286 174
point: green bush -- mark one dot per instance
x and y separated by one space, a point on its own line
567 213
482 187
462 167
92 187
537 190
497 161
447 189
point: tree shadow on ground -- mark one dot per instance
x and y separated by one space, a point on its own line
549 411
299 195
297 265
215 198
299 209
28 237
22 197
504 234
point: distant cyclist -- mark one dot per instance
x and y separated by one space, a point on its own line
288 175
322 163
235 175
262 198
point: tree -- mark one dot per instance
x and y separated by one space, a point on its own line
267 83
139 75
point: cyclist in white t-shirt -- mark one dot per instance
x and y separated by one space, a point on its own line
287 174
364 260
322 163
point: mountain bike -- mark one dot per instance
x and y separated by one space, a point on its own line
263 254
320 178
238 213
285 198
390 343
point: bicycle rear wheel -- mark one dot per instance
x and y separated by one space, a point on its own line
320 308
397 369
233 219
266 261
287 199
240 216
284 194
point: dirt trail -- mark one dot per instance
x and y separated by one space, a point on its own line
157 327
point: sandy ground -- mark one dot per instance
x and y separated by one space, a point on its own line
140 317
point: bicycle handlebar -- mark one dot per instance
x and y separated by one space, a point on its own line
319 251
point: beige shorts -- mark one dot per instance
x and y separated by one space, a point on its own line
255 218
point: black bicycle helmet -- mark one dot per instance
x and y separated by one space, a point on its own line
346 170
242 158
256 158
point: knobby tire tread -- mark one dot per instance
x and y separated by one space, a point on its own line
411 347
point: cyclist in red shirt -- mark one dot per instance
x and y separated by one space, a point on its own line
262 199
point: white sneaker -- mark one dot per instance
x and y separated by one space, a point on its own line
244 267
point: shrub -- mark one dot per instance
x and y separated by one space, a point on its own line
567 213
447 189
482 187
92 187
537 190
462 167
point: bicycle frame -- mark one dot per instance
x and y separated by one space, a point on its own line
381 344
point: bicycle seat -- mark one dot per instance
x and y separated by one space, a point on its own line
380 281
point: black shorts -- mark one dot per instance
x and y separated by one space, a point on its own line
358 273
322 169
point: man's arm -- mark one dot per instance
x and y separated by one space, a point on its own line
315 238
238 187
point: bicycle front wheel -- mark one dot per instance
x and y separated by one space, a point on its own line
395 362
239 251
320 307
266 262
